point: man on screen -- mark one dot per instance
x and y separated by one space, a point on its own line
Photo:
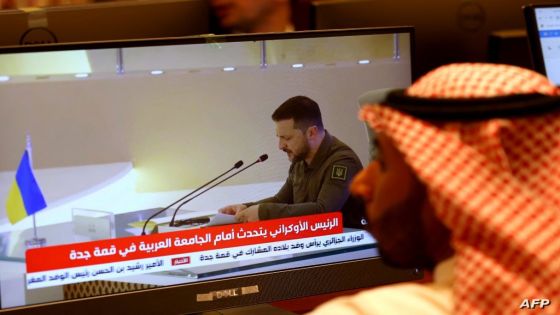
467 186
320 174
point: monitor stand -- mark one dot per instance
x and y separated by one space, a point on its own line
259 309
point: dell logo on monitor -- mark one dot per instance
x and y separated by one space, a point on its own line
227 293
38 36
471 16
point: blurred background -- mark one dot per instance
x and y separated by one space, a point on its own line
445 31
15 4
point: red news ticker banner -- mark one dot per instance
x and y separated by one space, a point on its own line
187 241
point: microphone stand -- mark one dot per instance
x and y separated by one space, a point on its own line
237 165
262 158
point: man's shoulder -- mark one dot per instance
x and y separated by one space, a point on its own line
340 152
407 298
337 146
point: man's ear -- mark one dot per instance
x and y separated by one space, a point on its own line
311 132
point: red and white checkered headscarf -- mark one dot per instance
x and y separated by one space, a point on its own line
495 183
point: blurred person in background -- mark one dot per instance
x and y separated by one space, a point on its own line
253 16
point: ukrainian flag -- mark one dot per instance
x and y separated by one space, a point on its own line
25 197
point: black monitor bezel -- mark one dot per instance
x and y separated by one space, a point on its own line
312 280
209 38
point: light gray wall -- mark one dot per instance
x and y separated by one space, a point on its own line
181 128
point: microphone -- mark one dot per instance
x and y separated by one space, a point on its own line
261 158
238 164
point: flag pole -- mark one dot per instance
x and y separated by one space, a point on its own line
36 241
29 149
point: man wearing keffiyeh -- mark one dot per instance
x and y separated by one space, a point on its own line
468 184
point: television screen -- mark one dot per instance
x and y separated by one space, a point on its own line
98 139
543 22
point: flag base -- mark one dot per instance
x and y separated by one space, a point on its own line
35 243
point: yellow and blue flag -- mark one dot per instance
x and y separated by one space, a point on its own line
25 197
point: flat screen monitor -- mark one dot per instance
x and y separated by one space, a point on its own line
120 130
446 31
105 21
543 27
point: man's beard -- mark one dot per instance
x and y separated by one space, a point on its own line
401 241
300 156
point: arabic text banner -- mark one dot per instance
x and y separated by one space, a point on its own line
187 241
219 257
